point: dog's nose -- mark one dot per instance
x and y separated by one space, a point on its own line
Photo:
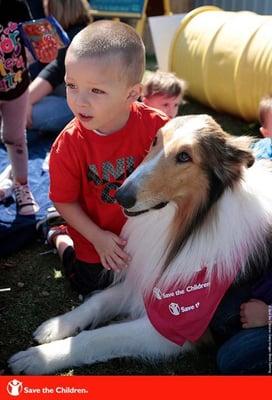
126 195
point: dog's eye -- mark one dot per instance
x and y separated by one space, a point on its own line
154 141
183 157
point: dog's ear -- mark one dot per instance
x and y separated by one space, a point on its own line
235 155
226 155
240 150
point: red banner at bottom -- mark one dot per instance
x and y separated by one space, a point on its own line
132 387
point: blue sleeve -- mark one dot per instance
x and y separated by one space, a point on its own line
263 148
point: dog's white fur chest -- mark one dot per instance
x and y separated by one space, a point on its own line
147 236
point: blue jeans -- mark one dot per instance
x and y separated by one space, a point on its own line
245 353
241 351
51 114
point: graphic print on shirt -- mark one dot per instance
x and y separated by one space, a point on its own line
112 176
12 64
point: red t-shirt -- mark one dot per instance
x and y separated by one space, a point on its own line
183 312
87 168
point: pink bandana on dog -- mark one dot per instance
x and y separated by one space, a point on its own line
183 313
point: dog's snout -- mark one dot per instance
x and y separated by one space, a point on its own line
126 195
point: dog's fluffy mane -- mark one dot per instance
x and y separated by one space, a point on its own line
233 231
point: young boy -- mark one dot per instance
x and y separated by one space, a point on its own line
263 147
98 149
265 116
164 91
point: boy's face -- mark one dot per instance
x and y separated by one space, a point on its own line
97 94
169 105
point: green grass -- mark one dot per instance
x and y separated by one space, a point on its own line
39 291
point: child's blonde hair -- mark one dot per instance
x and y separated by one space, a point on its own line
265 108
163 83
69 12
107 38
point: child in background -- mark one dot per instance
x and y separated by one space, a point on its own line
164 91
263 147
108 138
265 116
14 83
47 106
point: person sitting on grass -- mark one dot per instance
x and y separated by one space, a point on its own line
47 108
108 138
164 91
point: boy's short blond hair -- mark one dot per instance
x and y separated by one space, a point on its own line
265 108
163 83
105 39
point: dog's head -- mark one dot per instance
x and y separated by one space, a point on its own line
191 158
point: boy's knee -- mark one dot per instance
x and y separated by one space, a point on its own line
85 278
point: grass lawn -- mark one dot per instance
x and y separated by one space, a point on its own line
39 291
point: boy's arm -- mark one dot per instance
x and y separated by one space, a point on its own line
108 245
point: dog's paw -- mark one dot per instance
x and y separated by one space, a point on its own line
54 329
43 359
29 362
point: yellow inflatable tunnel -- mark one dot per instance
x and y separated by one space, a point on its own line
226 58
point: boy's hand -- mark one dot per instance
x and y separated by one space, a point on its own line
254 314
110 249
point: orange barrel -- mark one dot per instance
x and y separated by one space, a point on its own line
226 58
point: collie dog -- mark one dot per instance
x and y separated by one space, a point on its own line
199 213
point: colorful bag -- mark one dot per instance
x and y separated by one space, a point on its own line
44 37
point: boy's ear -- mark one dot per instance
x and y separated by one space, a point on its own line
135 92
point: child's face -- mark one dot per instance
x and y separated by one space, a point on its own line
97 94
266 130
169 105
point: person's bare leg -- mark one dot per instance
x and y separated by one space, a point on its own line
61 243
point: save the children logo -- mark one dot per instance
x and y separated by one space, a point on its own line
189 293
160 295
174 309
14 387
157 293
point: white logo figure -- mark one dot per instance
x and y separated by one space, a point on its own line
14 387
174 309
157 293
